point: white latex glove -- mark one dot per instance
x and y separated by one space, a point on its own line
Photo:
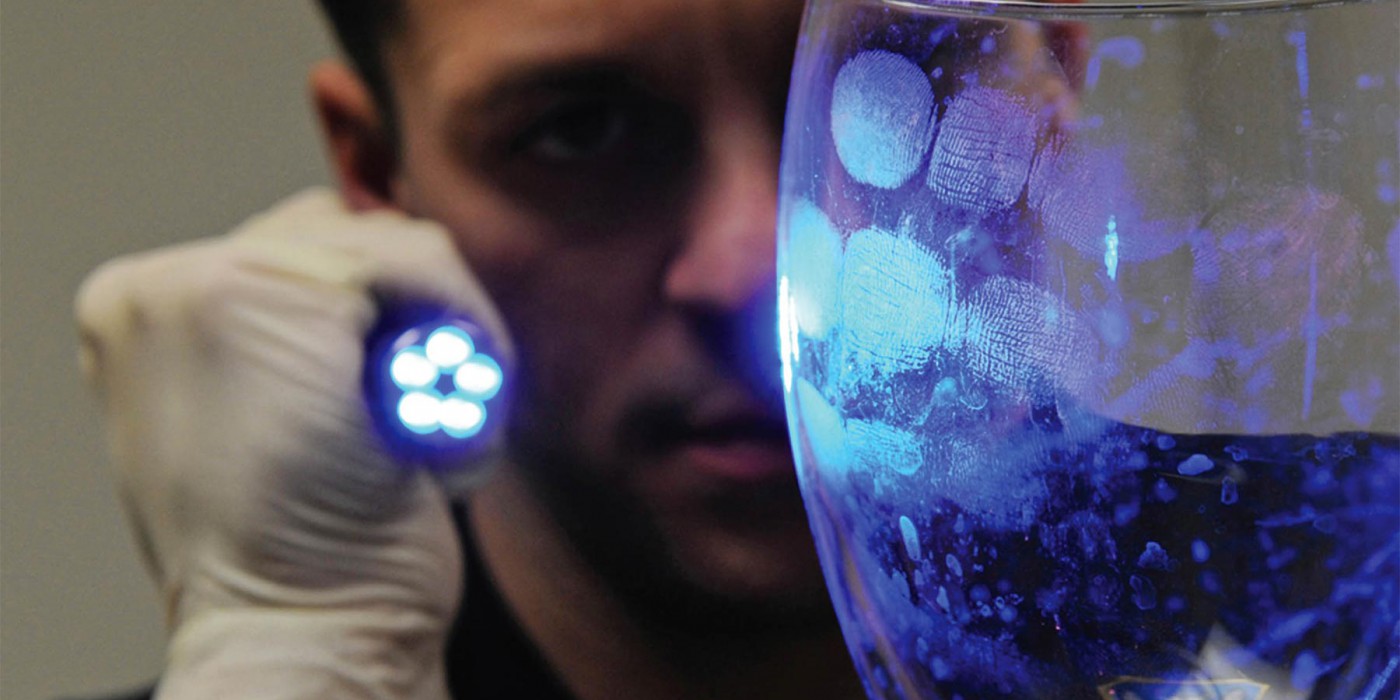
295 558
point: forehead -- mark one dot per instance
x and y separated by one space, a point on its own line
464 46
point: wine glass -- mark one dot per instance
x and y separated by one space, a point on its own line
1090 330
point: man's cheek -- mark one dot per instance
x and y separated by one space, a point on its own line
560 392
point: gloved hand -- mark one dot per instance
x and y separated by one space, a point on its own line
294 557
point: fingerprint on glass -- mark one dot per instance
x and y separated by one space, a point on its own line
881 117
982 157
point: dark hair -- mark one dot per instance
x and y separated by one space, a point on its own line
362 27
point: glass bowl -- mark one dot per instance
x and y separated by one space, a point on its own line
1089 320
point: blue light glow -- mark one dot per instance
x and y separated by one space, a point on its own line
479 376
814 257
1127 51
787 332
448 347
430 382
1299 41
420 411
411 369
460 416
826 432
1110 249
1195 465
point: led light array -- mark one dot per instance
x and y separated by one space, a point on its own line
445 382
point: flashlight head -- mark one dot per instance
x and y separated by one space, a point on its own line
433 385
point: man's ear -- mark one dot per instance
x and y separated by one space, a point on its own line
358 143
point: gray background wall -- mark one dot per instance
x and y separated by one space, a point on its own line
124 124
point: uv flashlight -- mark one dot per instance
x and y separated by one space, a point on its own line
433 384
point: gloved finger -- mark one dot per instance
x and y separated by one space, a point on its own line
387 253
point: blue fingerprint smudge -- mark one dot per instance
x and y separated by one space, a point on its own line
986 143
911 537
1127 51
1075 190
1229 492
881 117
1194 465
1290 628
814 268
1163 491
1200 551
898 300
1011 331
1153 557
1144 593
877 446
826 434
1299 41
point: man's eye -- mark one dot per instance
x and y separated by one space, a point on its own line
576 130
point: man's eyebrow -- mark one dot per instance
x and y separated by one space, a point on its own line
525 82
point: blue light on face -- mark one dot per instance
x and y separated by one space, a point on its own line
430 379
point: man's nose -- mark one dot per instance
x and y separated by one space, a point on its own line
727 257
724 274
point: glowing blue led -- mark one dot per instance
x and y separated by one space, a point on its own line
419 411
480 377
448 347
431 383
461 417
411 369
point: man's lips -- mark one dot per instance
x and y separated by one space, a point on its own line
722 456
736 440
744 459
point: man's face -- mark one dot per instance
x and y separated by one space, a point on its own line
609 168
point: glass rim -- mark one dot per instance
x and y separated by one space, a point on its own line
1117 8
